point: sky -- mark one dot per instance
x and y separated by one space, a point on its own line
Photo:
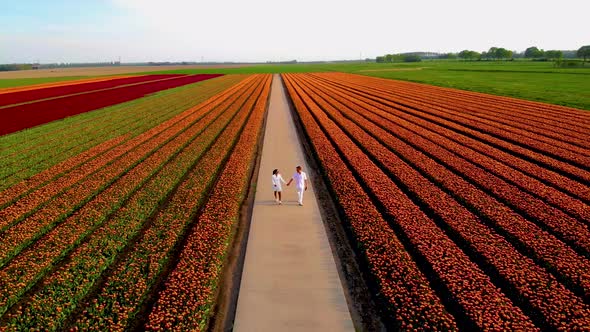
272 30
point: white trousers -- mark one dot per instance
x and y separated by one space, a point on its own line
300 192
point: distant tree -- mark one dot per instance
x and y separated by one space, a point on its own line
492 53
469 55
533 52
553 54
584 52
380 59
499 53
451 56
412 58
389 58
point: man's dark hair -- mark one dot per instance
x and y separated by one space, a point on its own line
275 171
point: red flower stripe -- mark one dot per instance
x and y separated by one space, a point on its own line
469 287
29 203
134 118
61 83
124 290
24 116
62 290
50 133
19 97
559 307
52 213
190 286
409 298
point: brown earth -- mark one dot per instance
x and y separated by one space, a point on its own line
97 71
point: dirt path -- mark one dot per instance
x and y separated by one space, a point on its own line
290 281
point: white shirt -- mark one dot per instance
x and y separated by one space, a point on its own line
276 181
300 179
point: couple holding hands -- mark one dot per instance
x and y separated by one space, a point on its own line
300 178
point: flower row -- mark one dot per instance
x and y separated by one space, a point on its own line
60 291
470 289
189 289
23 116
532 284
405 291
544 247
45 146
33 263
134 278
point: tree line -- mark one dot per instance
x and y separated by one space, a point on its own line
494 53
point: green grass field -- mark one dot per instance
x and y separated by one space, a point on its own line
539 81
15 82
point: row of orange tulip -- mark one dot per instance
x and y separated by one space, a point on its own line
188 293
32 264
532 284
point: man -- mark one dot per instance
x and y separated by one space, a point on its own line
300 183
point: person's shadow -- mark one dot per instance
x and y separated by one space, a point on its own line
272 202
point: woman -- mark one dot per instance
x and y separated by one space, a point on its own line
277 186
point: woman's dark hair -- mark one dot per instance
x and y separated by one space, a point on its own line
275 171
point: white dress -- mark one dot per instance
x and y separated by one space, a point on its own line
277 181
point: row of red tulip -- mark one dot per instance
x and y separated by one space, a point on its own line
19 97
56 142
24 228
470 289
18 117
408 296
32 264
561 259
59 292
540 290
189 289
132 280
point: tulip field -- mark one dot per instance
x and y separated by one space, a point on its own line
121 197
470 211
107 215
28 108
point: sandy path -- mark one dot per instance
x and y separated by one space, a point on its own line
290 281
